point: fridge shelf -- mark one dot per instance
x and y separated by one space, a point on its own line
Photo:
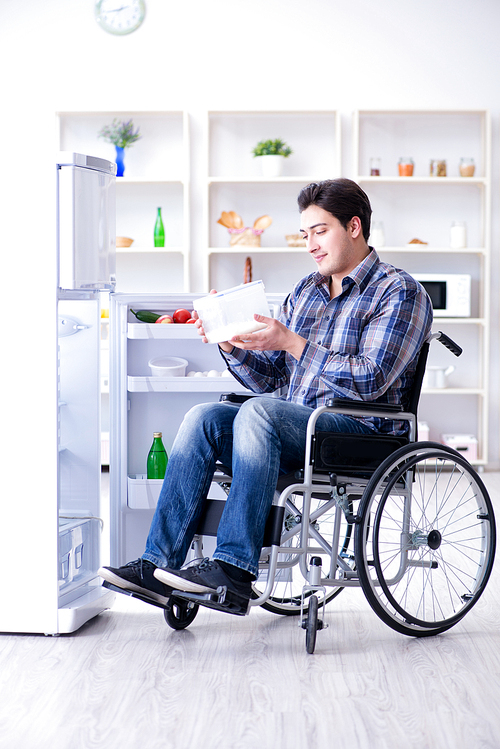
183 384
142 493
142 330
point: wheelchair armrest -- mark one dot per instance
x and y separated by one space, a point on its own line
235 397
367 406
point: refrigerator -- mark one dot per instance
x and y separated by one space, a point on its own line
66 536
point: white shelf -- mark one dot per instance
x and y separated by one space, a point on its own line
271 180
183 385
174 332
424 206
249 250
143 249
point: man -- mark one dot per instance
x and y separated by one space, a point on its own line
351 329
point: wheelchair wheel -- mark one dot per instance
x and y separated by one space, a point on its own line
429 553
311 624
179 614
285 598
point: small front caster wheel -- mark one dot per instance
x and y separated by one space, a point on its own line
179 614
312 624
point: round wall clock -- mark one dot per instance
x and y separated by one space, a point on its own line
120 16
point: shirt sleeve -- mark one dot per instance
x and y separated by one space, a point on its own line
389 341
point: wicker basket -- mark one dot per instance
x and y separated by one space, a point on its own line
295 240
246 237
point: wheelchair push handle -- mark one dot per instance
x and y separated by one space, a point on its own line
448 342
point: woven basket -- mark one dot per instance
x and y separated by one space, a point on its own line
246 237
124 241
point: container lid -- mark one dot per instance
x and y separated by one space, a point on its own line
157 434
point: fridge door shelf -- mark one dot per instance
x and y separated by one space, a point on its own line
142 493
183 385
142 330
78 552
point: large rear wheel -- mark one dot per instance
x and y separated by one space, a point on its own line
429 553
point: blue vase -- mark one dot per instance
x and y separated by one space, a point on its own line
120 162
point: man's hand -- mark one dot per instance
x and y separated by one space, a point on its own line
275 337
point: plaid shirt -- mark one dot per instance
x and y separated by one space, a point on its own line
362 345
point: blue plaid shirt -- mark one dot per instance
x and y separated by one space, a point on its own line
362 345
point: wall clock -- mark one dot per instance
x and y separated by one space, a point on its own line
120 17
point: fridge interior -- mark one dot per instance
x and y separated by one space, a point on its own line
141 404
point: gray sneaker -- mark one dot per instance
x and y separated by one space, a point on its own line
137 577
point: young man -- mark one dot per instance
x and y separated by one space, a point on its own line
351 329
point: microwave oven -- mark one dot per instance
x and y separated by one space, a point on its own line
449 293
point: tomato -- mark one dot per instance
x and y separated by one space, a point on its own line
181 315
190 321
164 319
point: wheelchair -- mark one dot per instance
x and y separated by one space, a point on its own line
409 522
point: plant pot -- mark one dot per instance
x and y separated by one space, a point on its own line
272 166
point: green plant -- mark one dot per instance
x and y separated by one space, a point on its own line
120 134
275 147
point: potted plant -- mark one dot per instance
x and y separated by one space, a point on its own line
271 154
122 136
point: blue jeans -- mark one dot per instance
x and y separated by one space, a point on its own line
258 440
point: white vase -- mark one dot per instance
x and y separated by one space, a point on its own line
272 165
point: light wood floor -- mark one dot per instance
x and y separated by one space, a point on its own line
126 680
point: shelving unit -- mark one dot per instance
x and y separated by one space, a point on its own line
423 207
156 174
234 182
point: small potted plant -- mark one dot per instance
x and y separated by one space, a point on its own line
271 154
122 136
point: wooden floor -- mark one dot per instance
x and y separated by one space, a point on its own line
128 681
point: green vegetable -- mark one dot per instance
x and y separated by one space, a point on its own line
144 315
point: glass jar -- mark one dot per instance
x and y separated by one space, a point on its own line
458 235
377 238
405 167
467 167
438 168
374 167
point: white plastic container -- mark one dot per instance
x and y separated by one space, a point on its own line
466 444
168 366
231 312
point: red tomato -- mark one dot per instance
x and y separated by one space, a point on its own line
181 315
190 321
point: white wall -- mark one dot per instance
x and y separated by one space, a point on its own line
210 54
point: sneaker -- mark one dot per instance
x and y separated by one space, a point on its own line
204 577
137 577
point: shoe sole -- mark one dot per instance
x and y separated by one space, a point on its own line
179 583
110 577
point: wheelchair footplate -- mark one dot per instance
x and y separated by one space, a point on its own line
220 599
134 594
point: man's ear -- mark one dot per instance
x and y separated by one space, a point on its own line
355 227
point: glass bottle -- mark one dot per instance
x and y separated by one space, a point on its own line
157 458
159 231
458 235
374 167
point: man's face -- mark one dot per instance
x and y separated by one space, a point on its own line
331 246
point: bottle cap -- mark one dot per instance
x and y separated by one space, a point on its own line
157 434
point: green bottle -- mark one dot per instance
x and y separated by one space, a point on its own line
159 231
157 458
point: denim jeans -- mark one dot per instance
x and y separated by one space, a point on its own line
258 440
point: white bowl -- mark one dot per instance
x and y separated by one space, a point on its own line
168 366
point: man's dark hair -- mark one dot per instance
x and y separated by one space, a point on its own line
343 198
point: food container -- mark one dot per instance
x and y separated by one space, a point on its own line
435 377
465 444
168 366
231 312
374 167
458 235
437 168
467 167
405 167
377 237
